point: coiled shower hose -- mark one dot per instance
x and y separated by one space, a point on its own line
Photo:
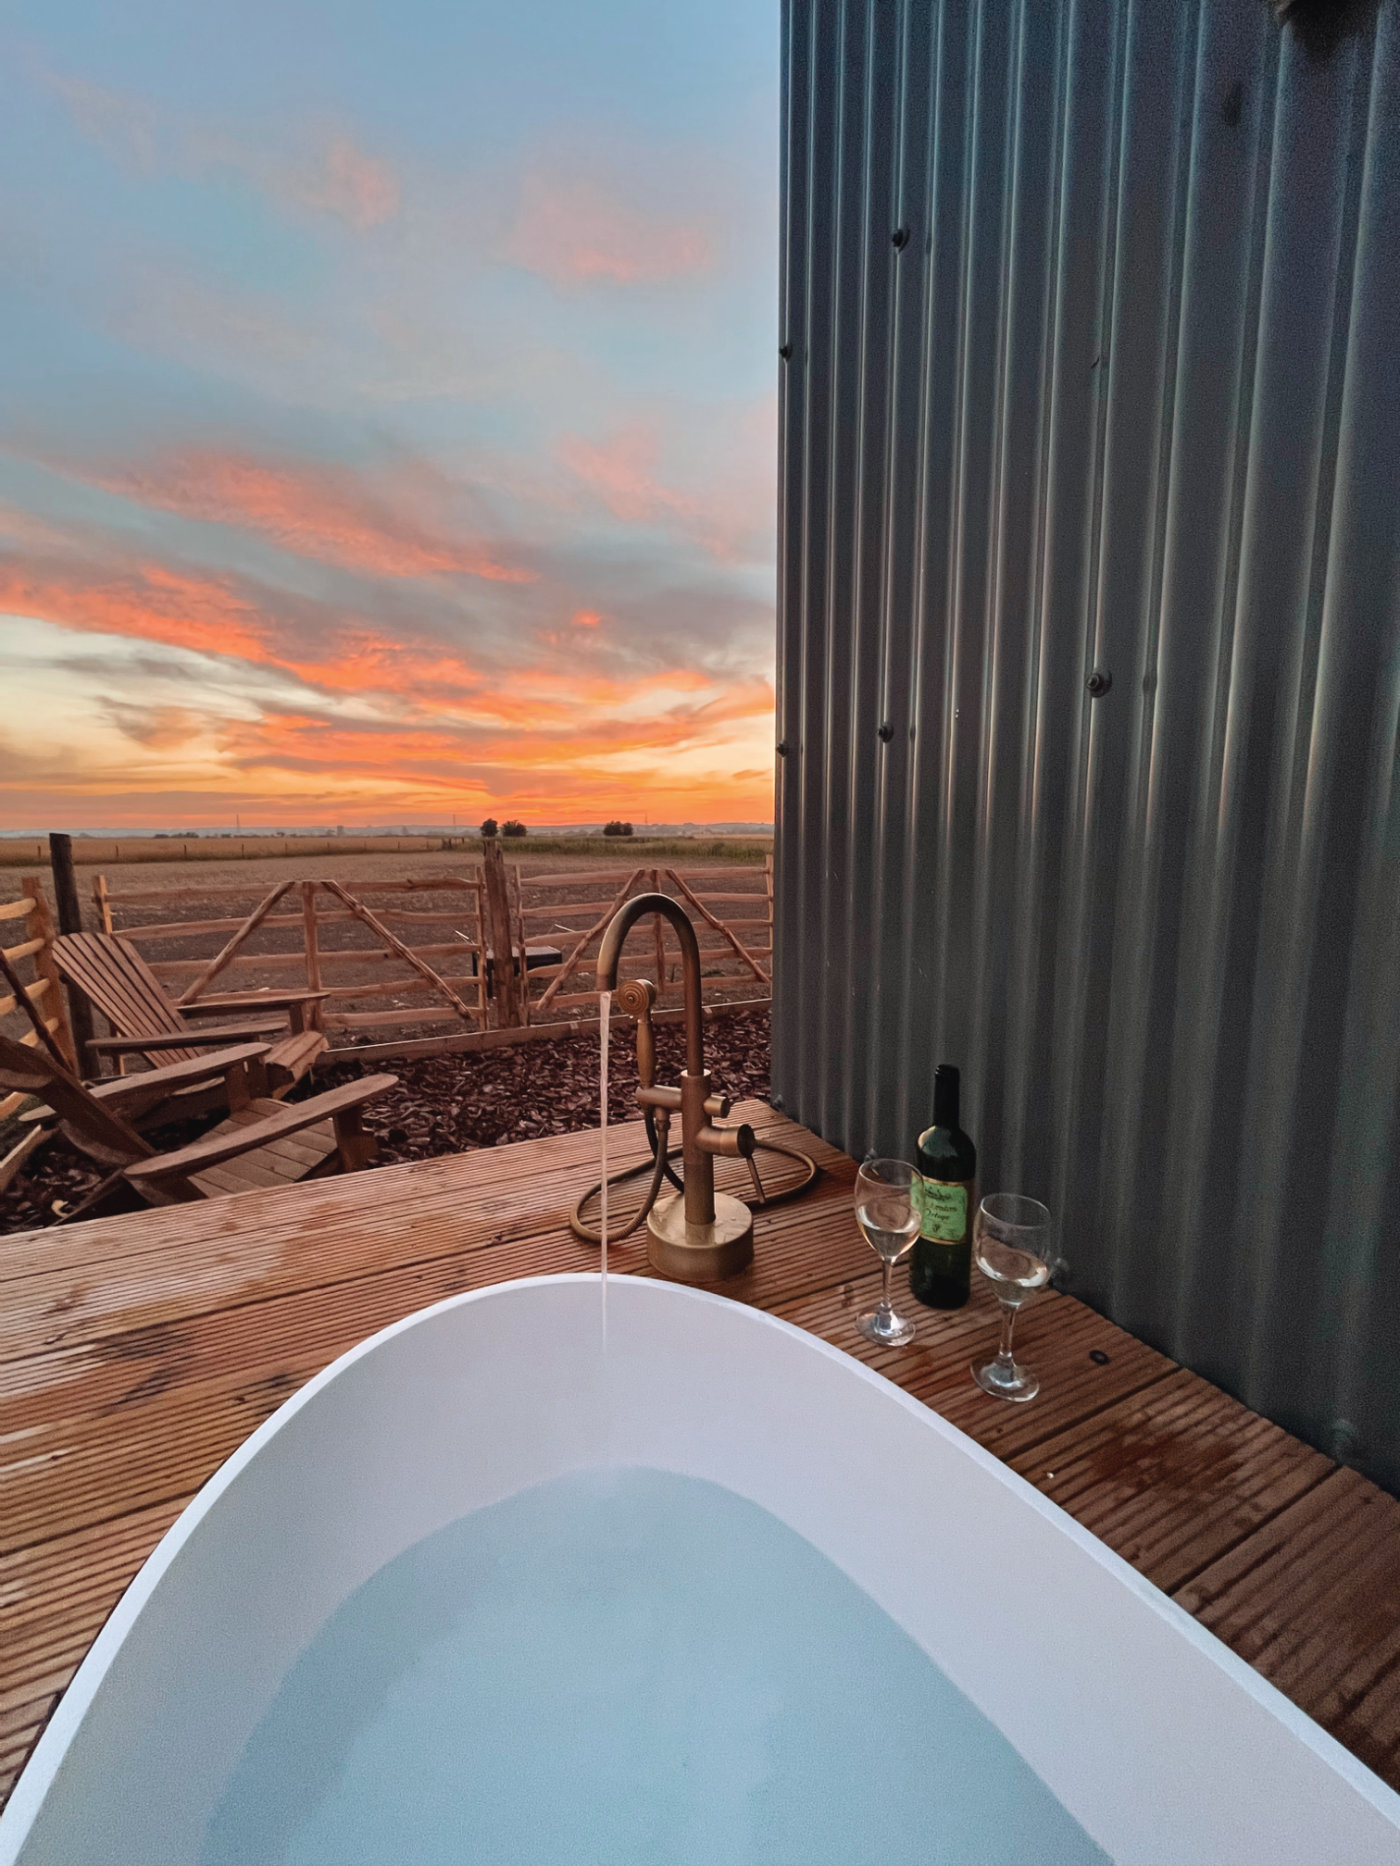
661 1170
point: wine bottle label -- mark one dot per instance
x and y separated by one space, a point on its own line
942 1210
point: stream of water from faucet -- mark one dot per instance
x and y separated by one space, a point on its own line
604 1015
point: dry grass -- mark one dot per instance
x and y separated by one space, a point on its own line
179 881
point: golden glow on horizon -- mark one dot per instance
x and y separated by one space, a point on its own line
378 729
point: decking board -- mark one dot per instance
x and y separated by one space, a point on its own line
136 1353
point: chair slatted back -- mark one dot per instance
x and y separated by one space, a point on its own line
95 1130
124 988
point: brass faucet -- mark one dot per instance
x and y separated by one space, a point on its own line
699 1235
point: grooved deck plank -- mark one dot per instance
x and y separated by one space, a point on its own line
54 1599
1056 1335
1313 1600
136 1353
1174 1477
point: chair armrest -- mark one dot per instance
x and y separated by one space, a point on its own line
252 1001
153 1084
290 1118
129 1095
193 1039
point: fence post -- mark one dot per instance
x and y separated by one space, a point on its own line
70 920
313 951
518 899
102 902
39 926
493 869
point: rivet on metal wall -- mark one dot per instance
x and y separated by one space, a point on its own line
785 352
900 238
886 732
1099 683
782 748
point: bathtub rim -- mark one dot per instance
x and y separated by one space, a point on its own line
20 1813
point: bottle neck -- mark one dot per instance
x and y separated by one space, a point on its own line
945 1098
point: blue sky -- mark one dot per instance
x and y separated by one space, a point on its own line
389 411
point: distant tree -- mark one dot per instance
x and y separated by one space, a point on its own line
512 828
617 828
490 826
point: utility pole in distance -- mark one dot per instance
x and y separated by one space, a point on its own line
70 920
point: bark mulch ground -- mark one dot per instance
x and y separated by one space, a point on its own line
450 1104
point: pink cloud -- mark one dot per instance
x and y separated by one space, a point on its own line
330 175
573 232
322 512
623 473
360 188
334 176
123 127
725 494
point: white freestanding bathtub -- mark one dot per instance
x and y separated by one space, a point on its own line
1153 1737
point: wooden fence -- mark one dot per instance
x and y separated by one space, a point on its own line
401 959
359 940
735 947
32 1007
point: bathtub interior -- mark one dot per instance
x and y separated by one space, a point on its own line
1159 1742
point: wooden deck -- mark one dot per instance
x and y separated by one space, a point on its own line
136 1353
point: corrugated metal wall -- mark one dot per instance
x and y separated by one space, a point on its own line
1091 322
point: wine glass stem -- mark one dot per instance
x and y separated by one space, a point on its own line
1008 1323
886 1305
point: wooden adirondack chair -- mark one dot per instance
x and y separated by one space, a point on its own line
262 1143
110 971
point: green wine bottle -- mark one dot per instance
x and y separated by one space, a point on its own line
940 1270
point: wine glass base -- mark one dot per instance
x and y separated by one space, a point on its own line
1009 1383
885 1328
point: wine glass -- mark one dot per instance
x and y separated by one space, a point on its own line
1012 1247
889 1219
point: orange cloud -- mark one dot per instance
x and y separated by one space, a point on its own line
554 741
573 232
209 614
385 717
623 751
551 703
147 601
321 512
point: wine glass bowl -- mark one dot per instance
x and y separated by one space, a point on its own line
1011 1246
889 1221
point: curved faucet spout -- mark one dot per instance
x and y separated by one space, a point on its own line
702 1234
610 952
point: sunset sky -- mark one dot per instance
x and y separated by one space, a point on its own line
389 411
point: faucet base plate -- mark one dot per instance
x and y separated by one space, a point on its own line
700 1253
